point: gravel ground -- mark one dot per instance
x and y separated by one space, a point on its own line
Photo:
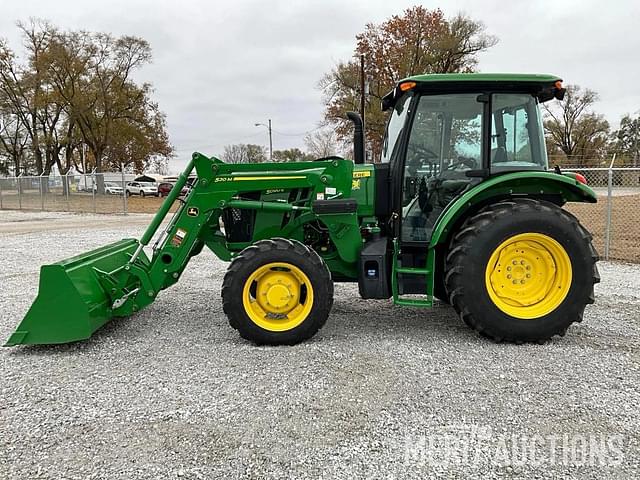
380 392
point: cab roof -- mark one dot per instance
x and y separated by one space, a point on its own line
544 86
542 78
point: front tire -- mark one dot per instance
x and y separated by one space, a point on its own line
277 292
521 271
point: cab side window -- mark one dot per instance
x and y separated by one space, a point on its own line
515 130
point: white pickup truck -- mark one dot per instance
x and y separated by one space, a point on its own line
142 189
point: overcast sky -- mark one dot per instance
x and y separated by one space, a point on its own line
220 67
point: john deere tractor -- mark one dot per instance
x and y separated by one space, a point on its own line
461 207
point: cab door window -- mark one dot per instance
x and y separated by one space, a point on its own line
445 142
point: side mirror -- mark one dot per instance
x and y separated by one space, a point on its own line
559 94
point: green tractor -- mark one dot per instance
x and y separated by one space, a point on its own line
461 207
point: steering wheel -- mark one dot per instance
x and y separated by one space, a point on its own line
426 189
462 162
424 152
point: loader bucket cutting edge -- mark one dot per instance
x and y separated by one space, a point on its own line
71 303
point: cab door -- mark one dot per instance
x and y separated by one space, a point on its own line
445 142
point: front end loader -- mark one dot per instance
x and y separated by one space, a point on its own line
462 207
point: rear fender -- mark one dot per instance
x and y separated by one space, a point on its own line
550 186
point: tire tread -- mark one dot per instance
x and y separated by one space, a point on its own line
240 263
464 240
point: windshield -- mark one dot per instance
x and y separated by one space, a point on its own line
394 128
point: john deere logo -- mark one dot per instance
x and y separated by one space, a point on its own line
192 212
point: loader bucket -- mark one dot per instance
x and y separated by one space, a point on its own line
71 303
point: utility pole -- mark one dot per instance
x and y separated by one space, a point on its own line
84 166
637 120
270 138
362 92
270 143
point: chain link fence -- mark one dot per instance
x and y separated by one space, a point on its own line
614 221
90 193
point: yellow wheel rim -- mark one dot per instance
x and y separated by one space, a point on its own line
528 276
277 296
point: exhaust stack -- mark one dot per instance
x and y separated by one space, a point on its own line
358 137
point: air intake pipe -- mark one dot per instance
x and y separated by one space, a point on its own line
358 137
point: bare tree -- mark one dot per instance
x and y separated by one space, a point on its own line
573 128
24 90
13 141
291 155
626 140
323 142
244 153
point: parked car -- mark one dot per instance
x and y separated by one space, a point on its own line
142 188
112 188
86 187
165 187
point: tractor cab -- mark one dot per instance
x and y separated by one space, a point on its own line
449 132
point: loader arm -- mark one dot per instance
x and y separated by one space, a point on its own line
77 296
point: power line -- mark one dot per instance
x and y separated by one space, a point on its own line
298 134
230 142
214 145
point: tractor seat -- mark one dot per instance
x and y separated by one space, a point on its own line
500 155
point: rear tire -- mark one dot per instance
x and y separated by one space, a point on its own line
277 292
521 271
141 193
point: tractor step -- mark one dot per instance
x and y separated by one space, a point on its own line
412 302
399 270
413 270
